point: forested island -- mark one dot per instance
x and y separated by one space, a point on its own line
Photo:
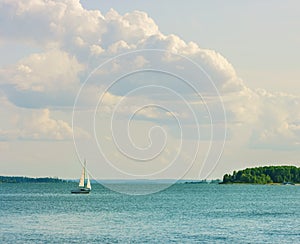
264 175
22 179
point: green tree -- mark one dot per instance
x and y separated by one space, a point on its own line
264 175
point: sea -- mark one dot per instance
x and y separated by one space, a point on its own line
182 213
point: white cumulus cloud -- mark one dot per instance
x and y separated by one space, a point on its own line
73 41
48 71
32 124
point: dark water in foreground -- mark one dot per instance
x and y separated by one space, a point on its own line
184 213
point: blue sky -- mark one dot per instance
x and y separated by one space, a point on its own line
161 90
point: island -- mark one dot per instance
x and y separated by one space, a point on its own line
265 175
22 179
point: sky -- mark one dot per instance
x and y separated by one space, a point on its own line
148 89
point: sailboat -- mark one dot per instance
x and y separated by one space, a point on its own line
82 187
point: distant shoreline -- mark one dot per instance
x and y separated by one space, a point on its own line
23 179
266 175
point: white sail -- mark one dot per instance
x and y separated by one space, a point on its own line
83 189
88 185
81 182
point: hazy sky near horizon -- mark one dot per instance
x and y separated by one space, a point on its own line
215 89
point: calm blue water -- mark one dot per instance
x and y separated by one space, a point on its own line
184 213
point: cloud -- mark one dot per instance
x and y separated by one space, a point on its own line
50 78
131 28
275 127
47 22
44 72
73 41
96 50
87 36
269 119
24 124
40 126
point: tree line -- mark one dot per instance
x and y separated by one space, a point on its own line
264 175
22 179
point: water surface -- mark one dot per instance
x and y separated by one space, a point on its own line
184 213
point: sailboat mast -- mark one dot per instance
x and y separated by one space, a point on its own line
82 178
84 169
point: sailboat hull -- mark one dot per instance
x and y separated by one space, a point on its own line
81 191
